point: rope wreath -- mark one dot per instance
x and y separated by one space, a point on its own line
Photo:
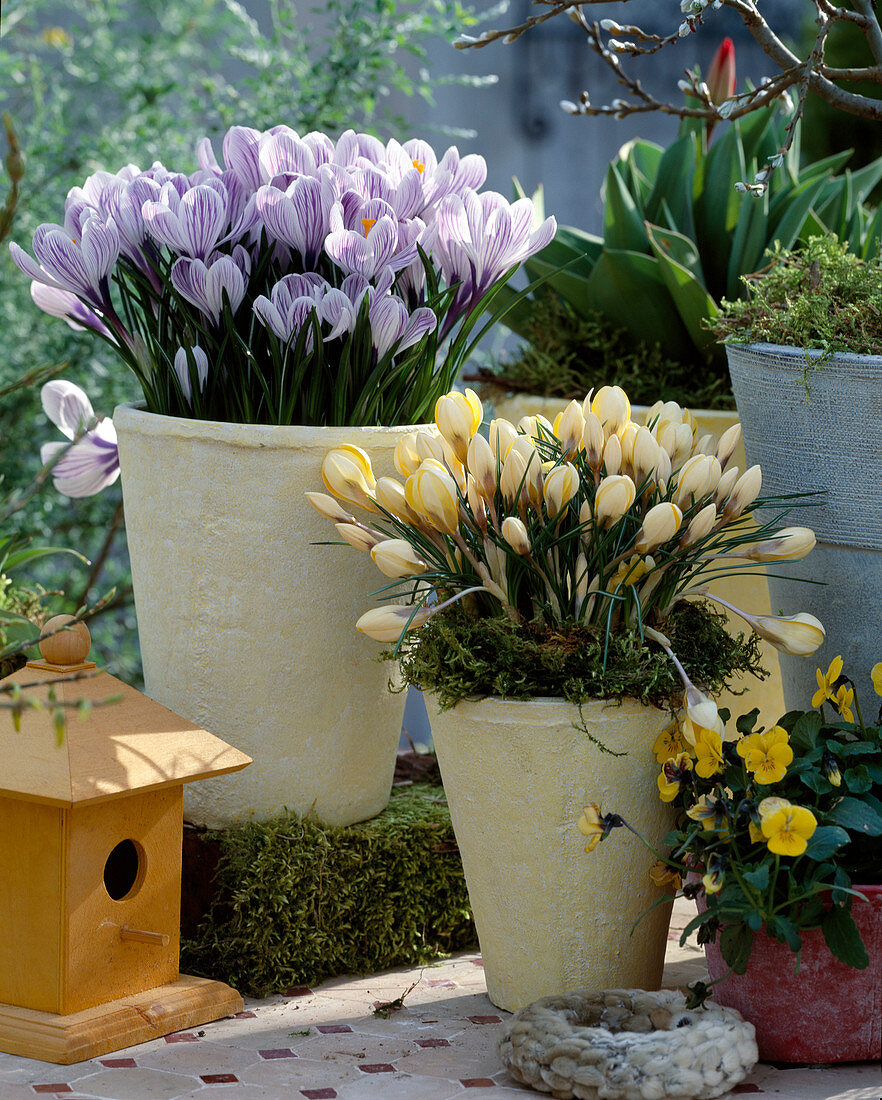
626 1044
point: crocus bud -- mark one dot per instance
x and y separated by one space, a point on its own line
476 502
692 481
614 497
702 711
679 446
431 492
397 558
502 434
512 480
570 429
728 444
706 445
612 408
481 462
789 544
347 473
357 536
701 525
458 417
407 458
515 534
660 523
390 495
645 455
593 440
662 473
746 490
561 485
627 434
429 446
523 446
799 635
329 508
725 485
721 74
387 624
536 427
612 456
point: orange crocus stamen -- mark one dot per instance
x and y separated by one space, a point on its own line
420 167
368 224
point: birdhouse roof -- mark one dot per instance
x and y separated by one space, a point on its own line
133 744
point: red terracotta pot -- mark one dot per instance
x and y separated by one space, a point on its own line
827 1012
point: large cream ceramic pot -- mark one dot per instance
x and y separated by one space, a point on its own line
246 626
750 592
552 918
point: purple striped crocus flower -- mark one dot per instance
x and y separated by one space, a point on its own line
61 303
92 463
192 223
372 246
81 265
206 284
184 358
298 216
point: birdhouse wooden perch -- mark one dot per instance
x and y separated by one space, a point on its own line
90 864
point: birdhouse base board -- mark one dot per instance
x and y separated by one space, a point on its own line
126 1022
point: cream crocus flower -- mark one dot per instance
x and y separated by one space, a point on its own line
561 485
570 428
515 534
788 544
429 446
692 481
612 456
458 416
744 493
726 485
512 479
482 464
476 503
660 523
407 457
644 455
799 635
593 440
397 558
536 427
614 497
387 624
431 492
728 444
390 495
701 525
357 536
347 473
612 408
329 508
502 434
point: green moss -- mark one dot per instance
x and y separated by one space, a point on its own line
299 901
456 656
567 354
822 296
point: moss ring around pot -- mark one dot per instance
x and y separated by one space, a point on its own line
627 1044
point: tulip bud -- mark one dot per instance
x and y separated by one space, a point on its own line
407 458
799 635
728 444
561 485
612 456
347 473
458 417
570 428
726 484
612 408
357 536
387 624
329 508
515 534
397 558
701 525
593 440
746 490
613 498
789 544
660 523
481 462
721 74
502 434
431 492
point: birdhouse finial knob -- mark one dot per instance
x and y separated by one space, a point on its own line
67 647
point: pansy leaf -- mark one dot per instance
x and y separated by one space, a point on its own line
857 780
805 732
853 748
875 772
857 815
843 938
754 920
826 840
785 930
759 877
736 940
746 722
814 782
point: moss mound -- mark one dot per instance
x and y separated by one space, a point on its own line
455 656
298 902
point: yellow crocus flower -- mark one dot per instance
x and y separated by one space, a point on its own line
787 831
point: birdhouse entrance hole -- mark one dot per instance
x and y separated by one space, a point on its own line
123 869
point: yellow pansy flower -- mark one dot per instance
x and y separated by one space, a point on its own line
671 776
756 833
842 700
669 742
767 754
713 880
876 677
708 752
826 682
710 813
787 830
661 874
591 824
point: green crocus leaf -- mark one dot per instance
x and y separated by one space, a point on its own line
826 840
736 941
805 732
843 938
857 815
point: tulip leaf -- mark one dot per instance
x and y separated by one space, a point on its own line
673 184
622 221
537 198
825 841
693 302
804 734
826 166
749 242
871 240
628 287
856 815
715 206
758 134
791 226
843 938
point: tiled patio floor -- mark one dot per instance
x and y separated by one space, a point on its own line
327 1043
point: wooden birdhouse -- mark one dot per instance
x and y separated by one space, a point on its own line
90 864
